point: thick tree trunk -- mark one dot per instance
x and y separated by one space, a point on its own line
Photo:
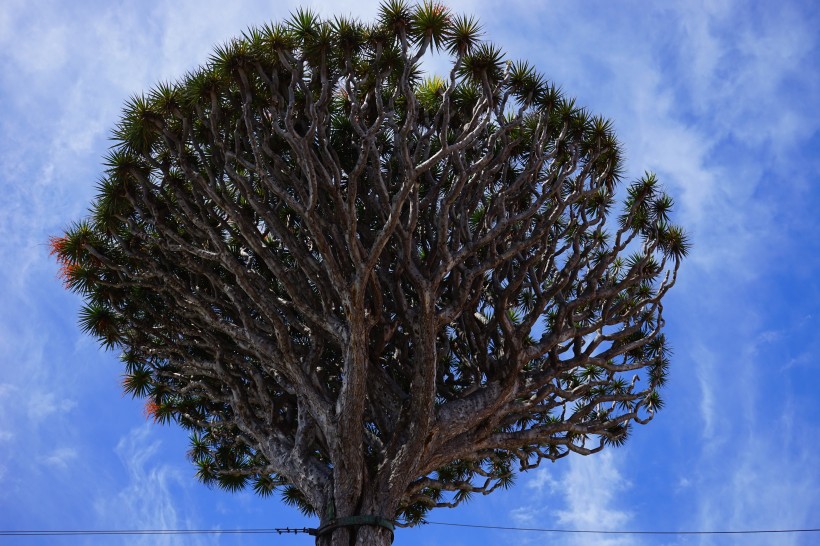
359 524
364 535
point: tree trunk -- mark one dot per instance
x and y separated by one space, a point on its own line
364 523
362 535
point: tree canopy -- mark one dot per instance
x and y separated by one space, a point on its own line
374 291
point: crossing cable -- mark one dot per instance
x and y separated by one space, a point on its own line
88 532
601 532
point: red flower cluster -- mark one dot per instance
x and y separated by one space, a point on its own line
151 411
68 266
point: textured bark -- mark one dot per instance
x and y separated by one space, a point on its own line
357 536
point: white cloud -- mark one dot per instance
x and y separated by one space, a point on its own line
44 404
765 482
757 452
706 376
592 488
742 69
60 458
153 496
585 495
525 516
44 55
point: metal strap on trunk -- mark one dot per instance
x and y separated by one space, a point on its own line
354 521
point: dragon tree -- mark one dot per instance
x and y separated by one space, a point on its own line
367 289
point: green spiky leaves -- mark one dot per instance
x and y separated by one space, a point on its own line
484 63
431 24
526 81
234 466
463 35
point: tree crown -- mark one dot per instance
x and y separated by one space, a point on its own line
354 282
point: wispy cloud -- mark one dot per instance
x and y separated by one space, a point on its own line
586 495
60 458
706 373
766 481
757 460
44 404
742 69
151 497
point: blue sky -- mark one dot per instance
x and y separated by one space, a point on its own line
721 98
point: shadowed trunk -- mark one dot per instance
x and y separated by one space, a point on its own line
364 535
354 515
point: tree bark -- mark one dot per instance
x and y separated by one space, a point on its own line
361 535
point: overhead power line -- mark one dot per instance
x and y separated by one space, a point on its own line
90 532
288 530
602 532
